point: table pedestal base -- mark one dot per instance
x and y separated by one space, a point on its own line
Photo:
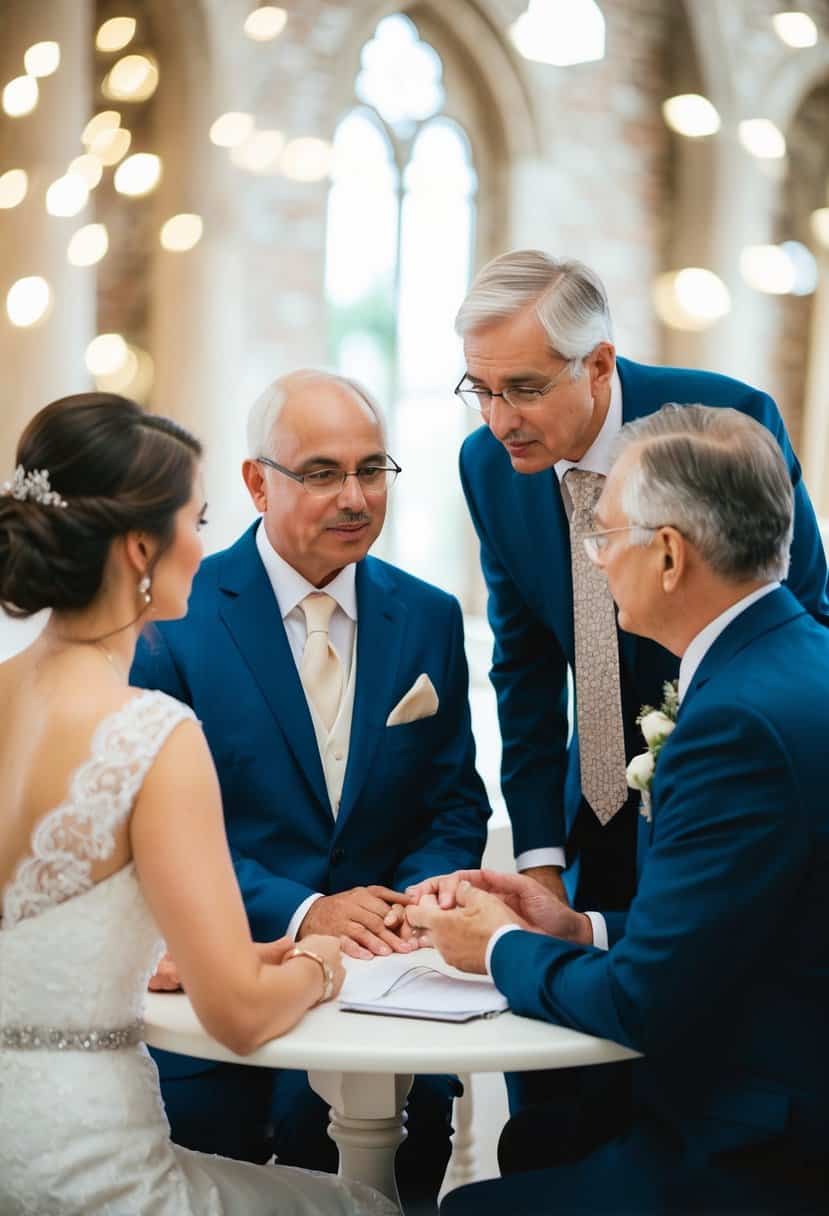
367 1123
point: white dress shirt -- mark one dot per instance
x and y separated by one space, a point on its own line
597 459
695 652
290 589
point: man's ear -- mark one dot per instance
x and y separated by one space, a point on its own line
601 365
673 551
254 479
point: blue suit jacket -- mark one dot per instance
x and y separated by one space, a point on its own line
412 803
525 555
721 975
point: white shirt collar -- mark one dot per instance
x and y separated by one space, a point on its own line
705 639
290 587
598 457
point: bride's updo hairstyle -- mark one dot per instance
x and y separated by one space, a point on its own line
117 469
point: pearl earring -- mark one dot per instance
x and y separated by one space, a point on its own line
144 589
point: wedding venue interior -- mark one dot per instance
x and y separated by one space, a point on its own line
199 196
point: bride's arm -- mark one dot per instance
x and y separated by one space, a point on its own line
183 862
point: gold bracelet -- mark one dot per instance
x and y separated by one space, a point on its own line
301 951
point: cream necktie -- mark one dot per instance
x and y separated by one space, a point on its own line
321 671
598 694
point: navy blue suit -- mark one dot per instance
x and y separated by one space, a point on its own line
720 973
412 803
525 555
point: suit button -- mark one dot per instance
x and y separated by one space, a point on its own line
337 855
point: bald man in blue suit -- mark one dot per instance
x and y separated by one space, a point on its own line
719 972
328 822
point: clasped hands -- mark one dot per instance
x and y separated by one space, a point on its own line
458 913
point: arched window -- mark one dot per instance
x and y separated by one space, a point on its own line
401 225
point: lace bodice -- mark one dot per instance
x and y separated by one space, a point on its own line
84 1131
102 791
74 953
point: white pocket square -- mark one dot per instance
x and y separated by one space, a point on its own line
421 701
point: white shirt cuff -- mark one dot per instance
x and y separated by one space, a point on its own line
300 914
496 937
599 929
540 857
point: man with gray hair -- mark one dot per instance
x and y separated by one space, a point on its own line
332 689
719 972
542 370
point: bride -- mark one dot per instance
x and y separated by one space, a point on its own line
111 838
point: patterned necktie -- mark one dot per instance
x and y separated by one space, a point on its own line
598 695
321 671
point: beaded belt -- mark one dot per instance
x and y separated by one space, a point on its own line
54 1038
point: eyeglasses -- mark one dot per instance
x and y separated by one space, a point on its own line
520 397
596 543
373 478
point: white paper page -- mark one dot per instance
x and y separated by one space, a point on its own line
400 981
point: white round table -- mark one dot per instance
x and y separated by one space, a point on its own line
363 1064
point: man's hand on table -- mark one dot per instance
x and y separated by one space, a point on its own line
549 877
522 900
367 920
461 933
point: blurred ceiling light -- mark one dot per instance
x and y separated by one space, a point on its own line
767 268
20 96
260 153
306 159
561 32
265 23
106 354
88 245
762 138
134 377
111 146
28 300
67 196
231 129
114 34
819 221
13 186
796 29
133 78
690 299
42 59
107 120
691 114
805 267
181 232
89 167
138 174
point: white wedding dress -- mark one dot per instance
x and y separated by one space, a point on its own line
82 1125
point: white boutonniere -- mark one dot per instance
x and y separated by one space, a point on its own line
656 725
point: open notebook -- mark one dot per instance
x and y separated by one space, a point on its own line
400 987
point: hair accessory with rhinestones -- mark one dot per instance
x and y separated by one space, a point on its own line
32 487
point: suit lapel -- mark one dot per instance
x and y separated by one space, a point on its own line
250 612
548 550
381 624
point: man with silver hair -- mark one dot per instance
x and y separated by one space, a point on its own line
332 689
542 370
719 972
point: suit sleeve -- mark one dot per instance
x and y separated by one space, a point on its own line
529 675
270 901
455 804
807 577
728 850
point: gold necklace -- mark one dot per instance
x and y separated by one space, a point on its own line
111 658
